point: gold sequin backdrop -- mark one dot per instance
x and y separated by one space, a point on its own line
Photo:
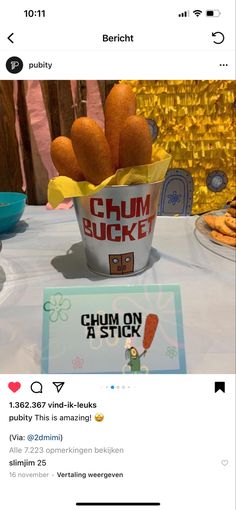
196 126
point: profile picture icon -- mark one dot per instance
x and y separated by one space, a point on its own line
14 65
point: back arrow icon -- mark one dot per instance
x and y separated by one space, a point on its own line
9 38
222 38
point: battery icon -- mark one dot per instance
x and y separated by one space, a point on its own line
215 13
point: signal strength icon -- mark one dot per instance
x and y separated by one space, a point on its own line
197 12
184 14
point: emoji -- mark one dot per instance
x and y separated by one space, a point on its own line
14 386
99 417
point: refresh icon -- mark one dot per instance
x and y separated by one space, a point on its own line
219 37
36 387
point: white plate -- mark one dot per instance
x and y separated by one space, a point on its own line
203 235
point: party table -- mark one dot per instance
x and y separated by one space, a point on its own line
46 250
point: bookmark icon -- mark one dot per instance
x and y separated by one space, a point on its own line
220 386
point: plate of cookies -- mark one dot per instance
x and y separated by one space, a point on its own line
217 231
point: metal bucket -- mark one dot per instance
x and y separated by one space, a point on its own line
117 226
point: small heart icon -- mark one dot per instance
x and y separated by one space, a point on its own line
14 386
224 462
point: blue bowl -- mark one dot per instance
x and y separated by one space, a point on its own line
11 209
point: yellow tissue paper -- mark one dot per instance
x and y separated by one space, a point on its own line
196 121
63 187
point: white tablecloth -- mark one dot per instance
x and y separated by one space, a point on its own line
46 251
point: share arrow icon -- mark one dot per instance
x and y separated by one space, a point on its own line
58 385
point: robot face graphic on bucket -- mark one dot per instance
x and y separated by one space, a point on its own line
121 263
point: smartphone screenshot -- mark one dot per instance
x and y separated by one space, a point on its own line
117 255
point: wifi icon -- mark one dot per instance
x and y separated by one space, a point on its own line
197 12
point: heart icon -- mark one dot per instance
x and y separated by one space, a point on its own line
224 462
14 386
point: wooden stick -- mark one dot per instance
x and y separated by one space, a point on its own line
65 104
10 169
82 98
26 145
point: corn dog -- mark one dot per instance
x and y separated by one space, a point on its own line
119 105
64 159
135 143
91 149
150 329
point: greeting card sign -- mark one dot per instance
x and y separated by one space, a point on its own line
113 329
